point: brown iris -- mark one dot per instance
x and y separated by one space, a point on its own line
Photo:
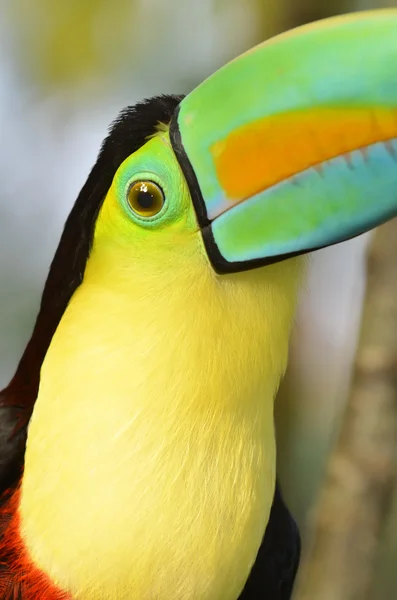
145 198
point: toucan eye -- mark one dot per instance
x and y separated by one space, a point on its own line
145 198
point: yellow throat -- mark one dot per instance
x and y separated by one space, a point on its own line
150 460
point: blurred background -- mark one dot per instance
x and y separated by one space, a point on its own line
66 69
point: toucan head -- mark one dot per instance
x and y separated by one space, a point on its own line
289 148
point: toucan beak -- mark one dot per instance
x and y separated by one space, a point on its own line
293 146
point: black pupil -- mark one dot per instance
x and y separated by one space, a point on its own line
145 199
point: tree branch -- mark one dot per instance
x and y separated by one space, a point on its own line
354 503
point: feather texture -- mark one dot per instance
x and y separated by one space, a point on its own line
19 577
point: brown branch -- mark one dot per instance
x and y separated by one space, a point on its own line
357 492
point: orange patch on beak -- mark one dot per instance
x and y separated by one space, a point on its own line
265 152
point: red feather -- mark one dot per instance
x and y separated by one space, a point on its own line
20 579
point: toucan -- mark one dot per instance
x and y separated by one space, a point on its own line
138 455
